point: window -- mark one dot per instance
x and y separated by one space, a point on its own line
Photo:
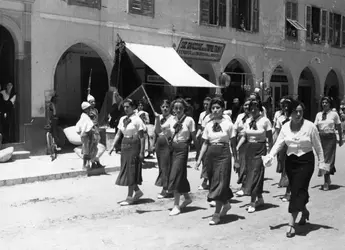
213 12
86 3
315 22
334 29
343 32
323 25
292 26
245 15
141 7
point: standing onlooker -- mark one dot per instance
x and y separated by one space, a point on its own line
132 152
217 135
300 136
202 116
256 97
327 123
8 99
235 109
257 129
144 116
163 149
342 116
183 129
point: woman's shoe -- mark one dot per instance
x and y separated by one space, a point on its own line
127 202
215 220
325 187
304 218
175 211
291 233
251 209
240 193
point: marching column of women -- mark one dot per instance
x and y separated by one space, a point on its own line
246 145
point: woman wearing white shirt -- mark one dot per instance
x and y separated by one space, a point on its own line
132 152
300 136
327 122
218 133
162 149
183 129
257 129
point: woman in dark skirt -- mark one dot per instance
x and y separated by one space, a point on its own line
132 152
183 129
300 136
163 150
218 133
257 129
327 123
240 165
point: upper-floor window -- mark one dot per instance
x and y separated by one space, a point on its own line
86 3
142 7
292 26
334 29
245 15
213 12
316 22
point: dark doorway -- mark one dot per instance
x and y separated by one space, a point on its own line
304 95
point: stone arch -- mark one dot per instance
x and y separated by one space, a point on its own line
244 63
16 33
334 86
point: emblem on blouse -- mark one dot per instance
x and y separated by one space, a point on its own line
126 121
216 127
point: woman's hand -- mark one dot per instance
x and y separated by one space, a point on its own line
141 156
156 114
341 142
197 164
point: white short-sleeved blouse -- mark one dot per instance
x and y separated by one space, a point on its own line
263 125
227 131
133 127
166 125
188 127
328 125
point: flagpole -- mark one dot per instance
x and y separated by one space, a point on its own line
148 99
89 86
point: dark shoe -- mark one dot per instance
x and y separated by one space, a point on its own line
291 233
304 218
99 165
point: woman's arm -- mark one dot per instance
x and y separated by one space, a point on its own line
241 141
142 144
278 145
201 155
158 127
233 142
316 142
269 137
340 132
116 140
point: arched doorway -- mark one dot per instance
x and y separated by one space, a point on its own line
241 80
280 84
332 88
306 93
9 122
71 81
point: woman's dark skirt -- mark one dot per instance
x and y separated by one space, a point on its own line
163 158
299 171
218 162
255 170
284 180
329 146
242 162
178 173
130 172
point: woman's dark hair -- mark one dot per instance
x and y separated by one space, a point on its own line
328 99
295 104
129 101
208 99
182 101
165 102
256 102
287 100
216 100
257 96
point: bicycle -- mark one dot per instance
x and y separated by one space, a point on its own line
52 148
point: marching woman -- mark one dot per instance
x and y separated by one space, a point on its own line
327 123
132 152
238 127
300 136
218 133
183 129
256 130
163 150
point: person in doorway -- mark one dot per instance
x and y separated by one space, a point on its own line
327 122
202 116
301 137
93 113
217 135
256 130
132 152
116 112
89 137
53 119
277 114
235 109
8 101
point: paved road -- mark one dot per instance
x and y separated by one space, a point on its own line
84 214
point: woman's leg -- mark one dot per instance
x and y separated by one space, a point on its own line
291 228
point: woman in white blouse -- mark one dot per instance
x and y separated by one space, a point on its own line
239 129
218 134
132 152
183 130
162 148
300 136
257 129
328 122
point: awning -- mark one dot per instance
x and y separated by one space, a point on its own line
296 24
169 65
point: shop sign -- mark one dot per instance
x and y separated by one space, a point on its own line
86 3
200 50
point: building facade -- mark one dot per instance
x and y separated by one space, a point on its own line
294 47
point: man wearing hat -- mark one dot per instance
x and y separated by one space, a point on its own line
93 113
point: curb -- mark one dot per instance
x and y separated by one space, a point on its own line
58 176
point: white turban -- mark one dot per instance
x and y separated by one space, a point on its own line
90 98
85 105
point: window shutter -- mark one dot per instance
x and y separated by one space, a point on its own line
288 10
323 25
235 14
222 13
330 28
256 17
343 31
204 12
294 11
308 22
142 7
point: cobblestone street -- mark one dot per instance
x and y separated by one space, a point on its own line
83 213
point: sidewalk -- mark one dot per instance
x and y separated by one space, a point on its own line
68 165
